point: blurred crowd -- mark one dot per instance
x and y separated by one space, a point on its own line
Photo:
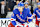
9 5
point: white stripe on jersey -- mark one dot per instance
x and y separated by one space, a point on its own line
12 19
38 19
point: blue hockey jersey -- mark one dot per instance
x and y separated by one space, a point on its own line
25 13
37 12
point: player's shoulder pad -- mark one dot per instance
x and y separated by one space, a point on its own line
36 9
28 8
15 11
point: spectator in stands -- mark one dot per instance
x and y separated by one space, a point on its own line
11 5
29 1
3 10
16 6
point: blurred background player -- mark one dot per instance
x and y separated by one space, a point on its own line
37 14
34 5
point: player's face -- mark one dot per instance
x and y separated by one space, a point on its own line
38 6
17 2
26 5
20 9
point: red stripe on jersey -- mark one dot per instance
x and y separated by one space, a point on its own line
11 19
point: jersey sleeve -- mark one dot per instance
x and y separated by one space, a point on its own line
29 13
14 14
14 18
34 11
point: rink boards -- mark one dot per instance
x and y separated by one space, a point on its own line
4 22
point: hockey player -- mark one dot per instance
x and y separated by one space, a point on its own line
26 7
37 14
20 14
